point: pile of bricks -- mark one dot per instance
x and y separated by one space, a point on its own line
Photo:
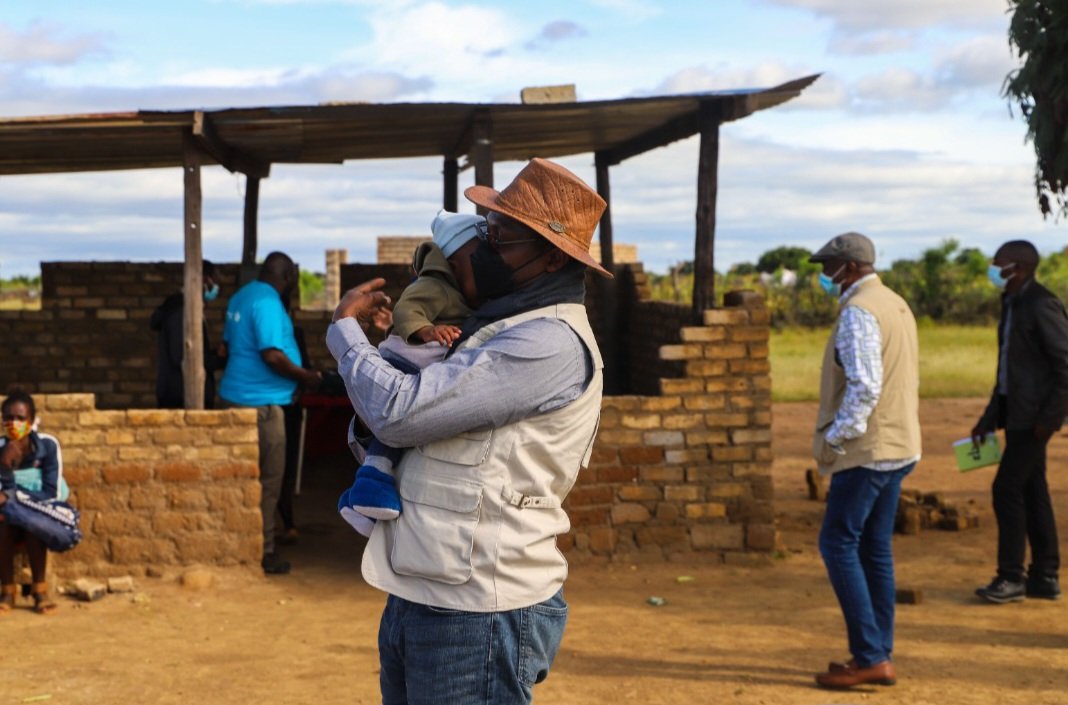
918 510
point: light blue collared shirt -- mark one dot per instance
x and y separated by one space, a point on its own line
530 368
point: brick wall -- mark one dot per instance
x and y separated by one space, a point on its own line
621 254
685 474
681 468
92 333
398 249
156 487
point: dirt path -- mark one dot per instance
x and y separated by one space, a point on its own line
747 635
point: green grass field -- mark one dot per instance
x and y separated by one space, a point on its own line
955 361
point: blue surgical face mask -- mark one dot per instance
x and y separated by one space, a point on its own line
993 273
212 293
828 283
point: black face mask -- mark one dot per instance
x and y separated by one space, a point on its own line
493 277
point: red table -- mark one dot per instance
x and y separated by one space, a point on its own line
327 425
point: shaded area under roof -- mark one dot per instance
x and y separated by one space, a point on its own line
250 139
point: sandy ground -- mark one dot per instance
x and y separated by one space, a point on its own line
749 635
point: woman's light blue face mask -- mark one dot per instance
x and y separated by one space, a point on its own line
211 293
993 273
829 285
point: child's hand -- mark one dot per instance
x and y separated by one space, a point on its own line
446 335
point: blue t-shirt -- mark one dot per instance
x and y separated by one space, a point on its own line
256 321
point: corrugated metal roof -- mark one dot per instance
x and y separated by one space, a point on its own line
334 133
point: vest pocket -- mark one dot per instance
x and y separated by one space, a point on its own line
435 536
469 448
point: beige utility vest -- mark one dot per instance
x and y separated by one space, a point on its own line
894 427
481 511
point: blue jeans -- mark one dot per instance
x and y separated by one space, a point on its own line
855 545
434 656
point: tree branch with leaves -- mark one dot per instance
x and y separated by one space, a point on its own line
1038 34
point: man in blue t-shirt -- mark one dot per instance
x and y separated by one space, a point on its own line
263 371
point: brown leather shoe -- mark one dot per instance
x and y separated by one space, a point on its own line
849 676
836 666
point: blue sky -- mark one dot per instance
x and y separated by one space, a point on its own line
905 137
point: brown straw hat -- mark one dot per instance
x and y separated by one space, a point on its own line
558 205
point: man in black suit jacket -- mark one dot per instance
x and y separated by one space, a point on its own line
1030 401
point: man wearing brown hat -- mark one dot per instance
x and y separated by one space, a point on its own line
496 433
868 439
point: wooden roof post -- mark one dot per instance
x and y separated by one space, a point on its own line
193 309
482 151
704 284
607 291
451 175
248 248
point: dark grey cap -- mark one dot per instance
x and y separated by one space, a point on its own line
848 247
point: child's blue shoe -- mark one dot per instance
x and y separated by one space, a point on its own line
363 524
374 494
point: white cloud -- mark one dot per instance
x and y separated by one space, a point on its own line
868 43
876 15
980 62
45 44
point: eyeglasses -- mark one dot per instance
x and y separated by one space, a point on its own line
493 238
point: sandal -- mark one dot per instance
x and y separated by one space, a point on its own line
41 603
7 598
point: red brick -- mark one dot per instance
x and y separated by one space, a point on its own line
641 455
588 516
235 470
622 473
180 472
80 474
666 536
630 513
591 495
639 493
126 473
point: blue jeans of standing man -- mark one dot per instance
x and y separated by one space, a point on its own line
434 656
855 544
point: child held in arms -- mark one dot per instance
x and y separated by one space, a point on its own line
426 320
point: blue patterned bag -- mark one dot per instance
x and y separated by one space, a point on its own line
55 523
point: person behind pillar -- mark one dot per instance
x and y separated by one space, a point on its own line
1030 400
868 439
496 435
263 371
169 323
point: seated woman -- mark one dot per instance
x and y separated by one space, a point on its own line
22 449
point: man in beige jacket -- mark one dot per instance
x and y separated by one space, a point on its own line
868 439
497 433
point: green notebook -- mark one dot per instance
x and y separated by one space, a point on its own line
971 458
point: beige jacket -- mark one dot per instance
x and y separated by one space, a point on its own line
894 427
482 510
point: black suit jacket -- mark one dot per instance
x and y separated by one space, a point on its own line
1037 363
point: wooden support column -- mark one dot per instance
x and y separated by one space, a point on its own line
704 286
607 290
248 248
451 176
193 309
482 151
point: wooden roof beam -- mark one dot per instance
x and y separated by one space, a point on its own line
205 137
677 128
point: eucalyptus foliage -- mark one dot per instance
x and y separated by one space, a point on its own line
1038 34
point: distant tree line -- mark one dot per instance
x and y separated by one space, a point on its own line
946 284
